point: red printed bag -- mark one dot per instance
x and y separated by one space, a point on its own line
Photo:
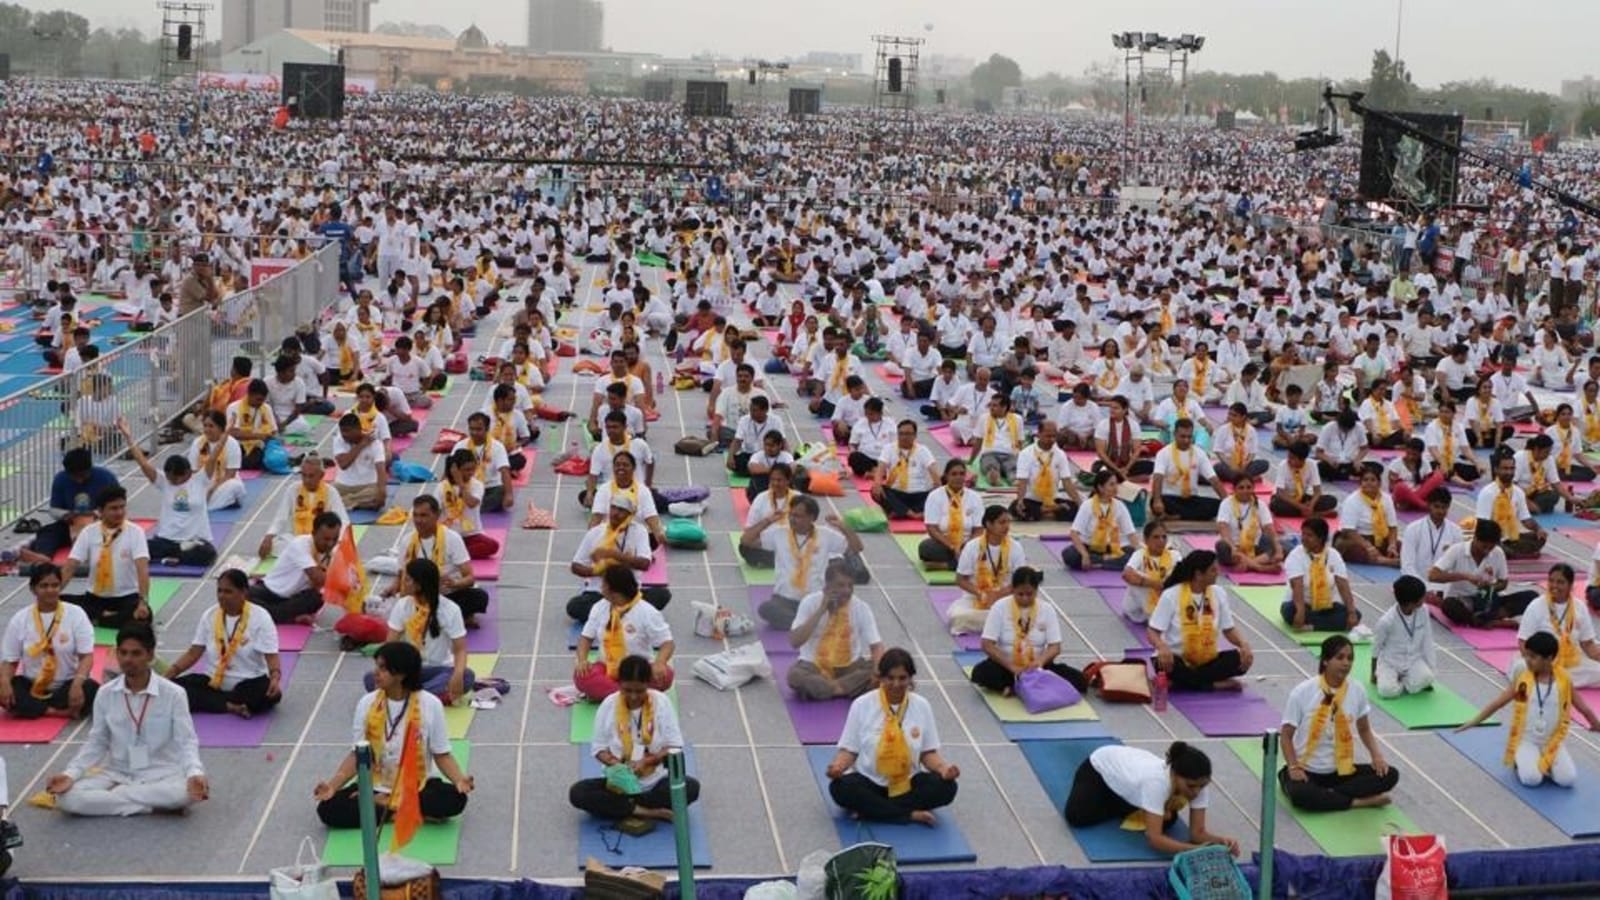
1413 868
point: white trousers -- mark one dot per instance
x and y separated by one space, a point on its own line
1584 675
228 494
1393 683
104 795
1562 769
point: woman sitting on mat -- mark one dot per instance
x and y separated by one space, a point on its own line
242 674
837 637
1130 785
1543 702
984 571
1020 634
621 625
951 516
1246 537
47 666
634 730
1190 615
1319 584
888 768
1317 739
774 501
461 500
431 622
1102 532
1371 528
1146 573
398 715
1569 623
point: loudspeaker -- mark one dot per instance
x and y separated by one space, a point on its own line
185 42
658 91
705 98
752 74
939 95
805 101
1398 167
5 67
895 80
1225 120
313 90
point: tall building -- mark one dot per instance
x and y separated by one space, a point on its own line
557 26
248 21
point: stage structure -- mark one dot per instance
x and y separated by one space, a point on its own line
183 35
894 86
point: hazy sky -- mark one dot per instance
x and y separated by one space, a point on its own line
1535 43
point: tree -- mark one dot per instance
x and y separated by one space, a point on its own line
1542 118
991 77
1390 84
1589 118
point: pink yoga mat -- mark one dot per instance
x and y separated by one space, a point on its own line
292 638
815 721
489 569
224 730
1262 579
896 526
946 438
44 730
1479 638
656 575
741 505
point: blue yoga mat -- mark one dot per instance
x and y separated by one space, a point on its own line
656 850
26 361
1054 763
943 843
1364 572
254 489
1565 520
1574 810
1054 731
364 516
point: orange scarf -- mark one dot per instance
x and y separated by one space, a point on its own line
228 643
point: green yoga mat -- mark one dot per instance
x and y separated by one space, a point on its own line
162 590
581 729
735 480
1438 708
435 843
1011 711
458 717
1268 601
651 260
752 575
908 544
1353 832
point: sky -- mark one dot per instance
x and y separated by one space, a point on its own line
1533 44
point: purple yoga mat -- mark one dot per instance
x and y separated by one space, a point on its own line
775 641
220 531
1227 713
815 721
1113 600
486 637
224 730
942 599
1089 578
292 638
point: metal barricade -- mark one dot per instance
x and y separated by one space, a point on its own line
149 380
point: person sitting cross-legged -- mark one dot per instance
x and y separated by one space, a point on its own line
1020 635
47 653
634 730
837 638
621 625
238 644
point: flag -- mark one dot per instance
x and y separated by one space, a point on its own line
407 782
346 584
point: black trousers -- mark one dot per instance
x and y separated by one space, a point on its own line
578 607
494 498
202 554
1325 503
899 504
593 797
1336 471
250 693
284 610
992 676
861 465
856 793
778 611
1092 801
1033 510
1333 792
112 612
758 557
1072 559
1191 509
27 706
473 601
1186 677
439 800
932 552
51 538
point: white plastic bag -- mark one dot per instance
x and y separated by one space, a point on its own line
303 880
772 890
385 563
395 870
812 881
732 668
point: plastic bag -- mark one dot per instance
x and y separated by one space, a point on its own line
865 871
275 457
811 883
394 869
772 890
1413 868
732 668
303 880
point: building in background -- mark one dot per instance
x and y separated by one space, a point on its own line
844 63
1580 90
247 21
566 26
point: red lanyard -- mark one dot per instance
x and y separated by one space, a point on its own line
138 721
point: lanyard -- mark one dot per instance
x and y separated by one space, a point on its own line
1542 694
393 724
138 720
1438 535
1405 622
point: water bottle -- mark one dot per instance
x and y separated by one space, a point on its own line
1159 698
661 384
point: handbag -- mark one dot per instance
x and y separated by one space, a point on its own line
447 440
601 883
685 534
425 887
303 880
1041 691
1120 682
865 871
1413 868
824 483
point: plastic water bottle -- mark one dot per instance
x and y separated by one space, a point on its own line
661 383
1158 699
572 450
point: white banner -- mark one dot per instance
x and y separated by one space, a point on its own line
249 81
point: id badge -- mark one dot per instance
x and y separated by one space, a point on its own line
138 757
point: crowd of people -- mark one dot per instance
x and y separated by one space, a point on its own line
987 331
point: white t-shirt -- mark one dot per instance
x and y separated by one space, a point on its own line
1303 702
1032 460
917 478
937 511
364 469
437 649
250 660
863 626
1044 625
635 542
1483 506
823 545
73 636
1298 565
864 726
1197 469
665 732
287 576
1356 515
1457 560
407 375
1168 618
435 733
646 500
1540 617
128 545
184 515
1089 513
1237 516
1140 777
643 628
1421 544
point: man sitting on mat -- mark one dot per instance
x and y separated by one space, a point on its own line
219 457
634 730
291 591
47 653
182 536
300 507
622 624
1503 502
238 644
251 423
141 762
1473 579
1179 470
429 539
1124 784
772 501
115 556
905 474
73 493
801 550
837 638
621 539
1043 475
494 465
363 477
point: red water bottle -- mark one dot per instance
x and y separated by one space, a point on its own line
1159 698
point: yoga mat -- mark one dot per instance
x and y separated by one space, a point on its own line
1477 638
1055 763
219 537
1350 832
486 637
458 716
1256 579
1010 709
656 850
1268 601
656 575
1053 731
752 575
912 843
736 480
946 438
775 641
1089 578
942 599
1226 713
1200 541
815 721
226 730
1438 708
1292 524
363 516
1375 574
574 632
489 569
1574 810
435 843
162 590
581 728
1112 597
292 638
908 545
741 506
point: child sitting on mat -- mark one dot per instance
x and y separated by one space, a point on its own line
1544 701
1403 660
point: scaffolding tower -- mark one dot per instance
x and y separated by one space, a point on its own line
895 110
176 16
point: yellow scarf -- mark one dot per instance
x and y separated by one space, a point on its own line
1022 652
1166 320
1109 379
900 474
1505 514
347 359
894 754
505 430
1248 525
105 565
1105 540
1201 369
1013 425
416 625
1380 519
1564 459
455 507
1568 657
1180 471
1044 483
1538 482
44 684
836 646
1298 482
803 557
1591 422
308 505
990 573
1380 416
841 371
1320 582
1199 623
647 729
376 733
1485 423
1158 568
252 424
611 540
414 549
1344 746
1448 453
958 522
228 644
368 418
1240 450
613 644
1527 684
212 457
